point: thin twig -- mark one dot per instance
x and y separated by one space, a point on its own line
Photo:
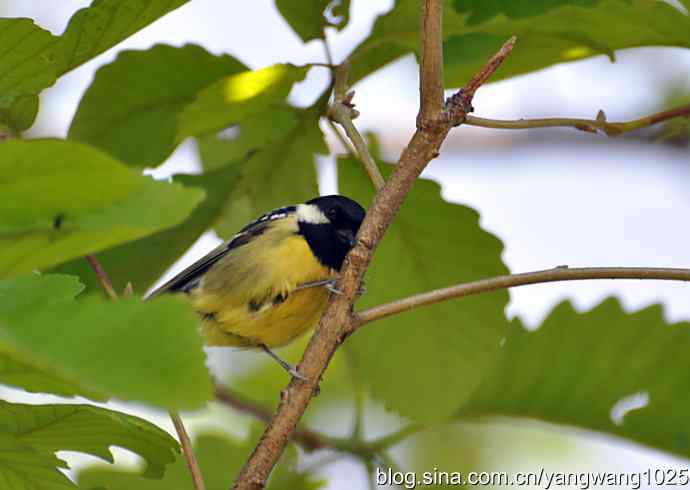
459 105
600 124
333 326
187 450
490 68
342 111
102 276
343 141
515 280
308 439
197 479
311 440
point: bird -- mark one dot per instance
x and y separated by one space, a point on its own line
271 281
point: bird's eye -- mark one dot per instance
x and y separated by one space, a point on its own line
332 213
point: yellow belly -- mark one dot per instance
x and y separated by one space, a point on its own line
273 325
250 297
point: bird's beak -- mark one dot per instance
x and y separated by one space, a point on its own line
346 236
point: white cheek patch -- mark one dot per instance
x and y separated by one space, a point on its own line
309 213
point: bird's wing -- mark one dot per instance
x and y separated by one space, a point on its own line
189 278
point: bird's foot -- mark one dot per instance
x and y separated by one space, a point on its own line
284 364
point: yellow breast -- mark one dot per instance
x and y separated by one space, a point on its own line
249 296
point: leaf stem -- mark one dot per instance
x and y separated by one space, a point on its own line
188 451
102 276
562 273
308 439
600 124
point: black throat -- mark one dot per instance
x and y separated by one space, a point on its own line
324 244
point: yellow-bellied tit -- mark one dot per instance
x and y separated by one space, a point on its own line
270 282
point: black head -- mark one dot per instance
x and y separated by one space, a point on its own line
330 224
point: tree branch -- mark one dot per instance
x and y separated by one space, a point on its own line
309 440
102 276
430 62
459 105
187 449
342 111
510 281
600 124
432 128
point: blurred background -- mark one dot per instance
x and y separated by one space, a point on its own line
553 196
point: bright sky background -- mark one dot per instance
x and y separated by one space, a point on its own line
554 197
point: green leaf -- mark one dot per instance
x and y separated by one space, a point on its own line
254 134
22 468
286 167
64 200
236 97
28 64
149 352
34 58
87 429
105 23
143 261
220 459
426 363
548 32
576 367
307 18
141 128
480 10
19 368
395 34
226 161
20 115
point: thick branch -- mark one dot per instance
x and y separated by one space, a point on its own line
600 124
515 280
432 128
431 62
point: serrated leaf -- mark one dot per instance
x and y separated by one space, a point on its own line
395 34
28 64
65 199
141 129
424 364
576 367
87 429
220 459
308 19
254 134
142 262
149 352
286 167
233 98
548 32
33 58
105 23
22 468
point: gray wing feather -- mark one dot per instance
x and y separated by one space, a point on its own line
189 278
